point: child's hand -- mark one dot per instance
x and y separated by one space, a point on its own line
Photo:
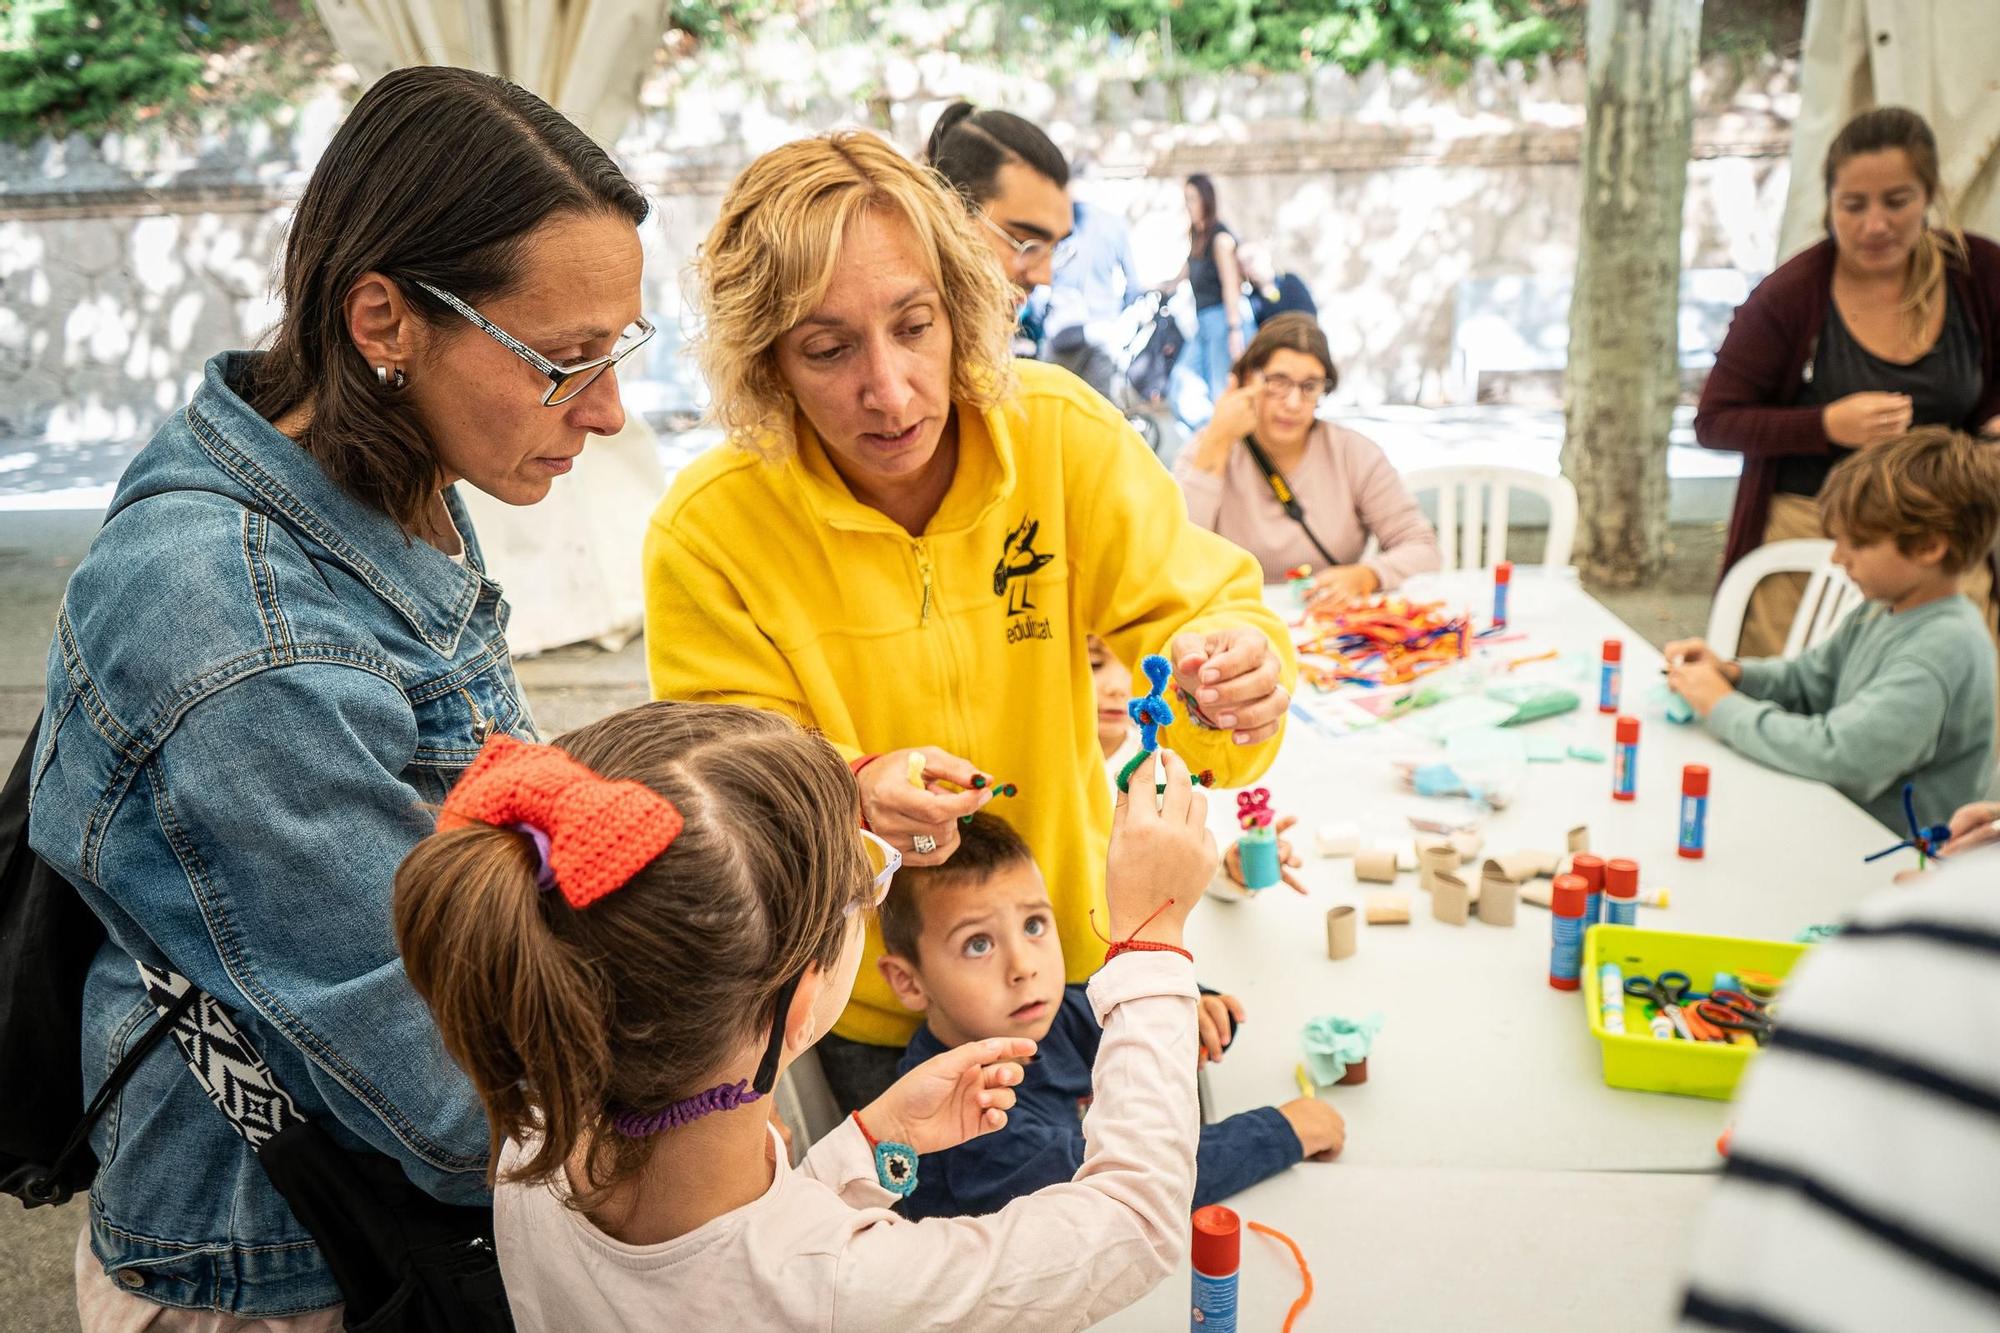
1687 651
1322 1133
952 1097
1972 826
1288 860
1702 683
1219 1015
1161 859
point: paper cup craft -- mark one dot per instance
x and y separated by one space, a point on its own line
1257 849
1336 1048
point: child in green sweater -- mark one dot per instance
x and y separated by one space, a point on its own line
1903 691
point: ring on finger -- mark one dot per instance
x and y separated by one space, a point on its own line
923 844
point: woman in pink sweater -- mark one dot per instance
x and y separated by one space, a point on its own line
1342 488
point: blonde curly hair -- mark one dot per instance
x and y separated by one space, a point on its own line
769 259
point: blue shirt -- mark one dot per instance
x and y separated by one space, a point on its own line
257 687
1099 278
1042 1144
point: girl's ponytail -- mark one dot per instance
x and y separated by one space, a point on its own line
521 1010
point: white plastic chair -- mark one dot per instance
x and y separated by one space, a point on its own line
1830 595
1461 522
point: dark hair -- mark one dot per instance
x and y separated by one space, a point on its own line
1293 331
968 147
1929 482
1200 232
564 1017
1888 128
986 844
437 174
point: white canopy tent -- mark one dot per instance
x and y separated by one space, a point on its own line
1942 60
570 564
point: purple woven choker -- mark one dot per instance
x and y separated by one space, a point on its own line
721 1097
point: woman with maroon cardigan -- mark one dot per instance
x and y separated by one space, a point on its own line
1888 323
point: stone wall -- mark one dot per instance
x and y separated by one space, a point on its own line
125 262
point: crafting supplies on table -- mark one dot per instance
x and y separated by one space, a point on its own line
1710 1032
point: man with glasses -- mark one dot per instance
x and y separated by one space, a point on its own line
1015 183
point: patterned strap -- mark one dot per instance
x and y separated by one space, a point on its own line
222 1059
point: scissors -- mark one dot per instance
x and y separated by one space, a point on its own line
1733 1011
1667 992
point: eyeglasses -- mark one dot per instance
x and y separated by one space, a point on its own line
565 382
884 860
1028 252
1284 386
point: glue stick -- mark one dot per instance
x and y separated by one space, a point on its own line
1621 892
1611 997
1625 761
1694 811
1591 870
1610 676
1218 1247
1566 904
1503 578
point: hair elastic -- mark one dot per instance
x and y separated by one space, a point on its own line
545 877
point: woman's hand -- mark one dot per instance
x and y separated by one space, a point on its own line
952 1097
1343 583
1232 675
1234 417
1288 859
1863 419
903 813
1235 341
1217 1017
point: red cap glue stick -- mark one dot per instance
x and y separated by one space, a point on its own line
1218 1249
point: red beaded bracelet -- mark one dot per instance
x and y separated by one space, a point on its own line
1145 946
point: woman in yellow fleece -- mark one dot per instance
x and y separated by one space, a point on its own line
907 540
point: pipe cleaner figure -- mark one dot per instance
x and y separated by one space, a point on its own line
1925 840
1151 712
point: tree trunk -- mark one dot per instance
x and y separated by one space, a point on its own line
1624 363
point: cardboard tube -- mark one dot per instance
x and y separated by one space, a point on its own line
1340 932
1434 860
1537 892
1449 898
1515 868
1468 843
1579 839
1498 897
1387 909
1374 865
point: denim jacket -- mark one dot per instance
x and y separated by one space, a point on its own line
256 686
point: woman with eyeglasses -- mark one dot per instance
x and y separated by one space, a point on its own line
282 649
909 537
1293 490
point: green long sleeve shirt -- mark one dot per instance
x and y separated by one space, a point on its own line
1889 698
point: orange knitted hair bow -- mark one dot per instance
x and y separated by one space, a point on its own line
593 833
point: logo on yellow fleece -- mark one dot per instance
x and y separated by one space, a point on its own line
1019 560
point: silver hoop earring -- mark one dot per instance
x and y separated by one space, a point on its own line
382 377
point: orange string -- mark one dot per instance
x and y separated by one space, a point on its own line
1298 1257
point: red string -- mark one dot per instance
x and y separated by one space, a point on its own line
1132 943
1298 1257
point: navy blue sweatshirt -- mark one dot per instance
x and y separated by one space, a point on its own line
1043 1141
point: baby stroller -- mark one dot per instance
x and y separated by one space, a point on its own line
1144 344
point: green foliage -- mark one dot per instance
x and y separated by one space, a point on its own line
1290 34
92 65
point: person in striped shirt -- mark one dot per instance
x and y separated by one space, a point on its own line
1862 1189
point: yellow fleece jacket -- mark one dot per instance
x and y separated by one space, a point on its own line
769 584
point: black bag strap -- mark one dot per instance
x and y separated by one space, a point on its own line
45 1189
1287 498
